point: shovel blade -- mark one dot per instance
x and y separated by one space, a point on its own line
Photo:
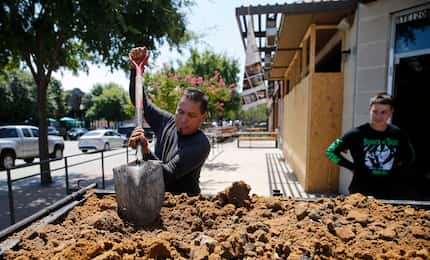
139 191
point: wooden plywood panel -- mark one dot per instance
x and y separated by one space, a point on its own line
324 127
296 105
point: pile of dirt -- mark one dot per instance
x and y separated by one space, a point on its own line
233 225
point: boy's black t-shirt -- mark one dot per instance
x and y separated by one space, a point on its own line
378 156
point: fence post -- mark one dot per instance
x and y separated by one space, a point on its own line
126 154
66 169
10 195
103 171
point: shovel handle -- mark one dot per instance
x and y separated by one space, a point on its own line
139 100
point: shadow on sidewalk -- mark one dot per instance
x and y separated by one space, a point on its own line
230 167
29 196
283 182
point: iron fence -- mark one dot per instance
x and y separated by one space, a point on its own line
66 168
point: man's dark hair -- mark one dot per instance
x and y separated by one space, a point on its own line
383 99
197 95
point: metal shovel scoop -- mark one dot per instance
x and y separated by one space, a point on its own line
139 185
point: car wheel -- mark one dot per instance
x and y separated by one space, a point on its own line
58 153
107 147
7 160
84 150
28 160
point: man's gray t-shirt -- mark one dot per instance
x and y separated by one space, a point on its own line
182 155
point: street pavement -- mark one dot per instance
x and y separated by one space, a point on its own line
261 166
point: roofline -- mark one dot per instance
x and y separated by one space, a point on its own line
297 8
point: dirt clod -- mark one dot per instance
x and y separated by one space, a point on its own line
237 194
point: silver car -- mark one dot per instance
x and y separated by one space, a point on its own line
104 139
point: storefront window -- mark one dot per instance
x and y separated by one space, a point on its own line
413 31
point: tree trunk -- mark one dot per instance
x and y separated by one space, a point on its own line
45 171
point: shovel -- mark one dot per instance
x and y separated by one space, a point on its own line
139 185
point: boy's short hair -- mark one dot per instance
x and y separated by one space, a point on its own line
197 95
383 99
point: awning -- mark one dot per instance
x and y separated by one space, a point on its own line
291 22
67 119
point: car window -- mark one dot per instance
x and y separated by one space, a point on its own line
35 132
108 134
8 133
94 133
26 132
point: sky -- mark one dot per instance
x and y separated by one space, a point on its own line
213 20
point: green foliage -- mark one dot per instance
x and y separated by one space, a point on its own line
22 97
204 71
19 100
49 35
254 115
232 108
165 88
56 104
112 104
204 64
70 33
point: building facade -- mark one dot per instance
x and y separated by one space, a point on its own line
327 60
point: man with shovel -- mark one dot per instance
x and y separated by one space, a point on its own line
180 145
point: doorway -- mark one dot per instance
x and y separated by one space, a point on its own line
412 95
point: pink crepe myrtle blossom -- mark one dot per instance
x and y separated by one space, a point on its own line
188 78
221 82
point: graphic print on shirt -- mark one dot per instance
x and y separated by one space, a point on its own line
379 154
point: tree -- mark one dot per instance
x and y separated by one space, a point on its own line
56 104
21 102
49 35
111 104
254 115
18 95
165 88
206 64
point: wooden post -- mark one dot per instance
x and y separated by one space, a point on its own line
312 49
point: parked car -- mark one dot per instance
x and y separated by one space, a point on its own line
75 133
103 139
22 142
53 131
126 130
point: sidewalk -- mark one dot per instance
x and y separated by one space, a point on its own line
261 167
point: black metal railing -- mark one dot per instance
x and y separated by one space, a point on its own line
66 168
